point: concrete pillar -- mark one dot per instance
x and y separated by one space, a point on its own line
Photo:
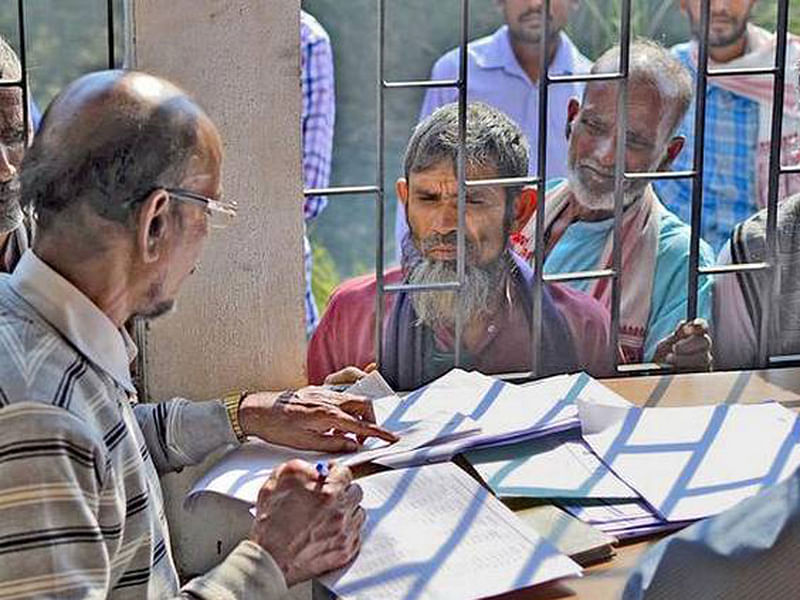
240 318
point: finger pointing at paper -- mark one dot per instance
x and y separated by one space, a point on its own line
311 418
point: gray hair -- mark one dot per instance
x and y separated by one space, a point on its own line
651 63
10 67
493 140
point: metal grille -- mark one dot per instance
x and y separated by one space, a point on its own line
769 293
23 84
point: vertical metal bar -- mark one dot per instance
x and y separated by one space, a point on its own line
619 176
699 158
461 175
23 61
769 293
112 63
381 200
541 173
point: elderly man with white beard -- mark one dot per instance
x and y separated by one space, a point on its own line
655 243
496 301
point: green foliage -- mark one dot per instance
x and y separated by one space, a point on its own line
324 276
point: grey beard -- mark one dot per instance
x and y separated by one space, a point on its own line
476 299
10 211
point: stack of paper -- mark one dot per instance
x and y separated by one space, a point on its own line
506 413
685 464
433 532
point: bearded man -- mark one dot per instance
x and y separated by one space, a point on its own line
738 121
497 297
655 243
13 139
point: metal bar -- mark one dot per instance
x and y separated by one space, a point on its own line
769 293
619 179
784 359
541 176
112 63
343 190
443 286
741 71
461 174
643 368
579 276
502 182
585 77
738 268
422 83
790 169
23 61
380 197
659 175
12 84
699 149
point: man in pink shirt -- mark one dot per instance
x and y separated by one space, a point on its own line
497 297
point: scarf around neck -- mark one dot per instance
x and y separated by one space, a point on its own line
640 231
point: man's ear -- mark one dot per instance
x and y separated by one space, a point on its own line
573 108
674 148
152 224
401 188
524 207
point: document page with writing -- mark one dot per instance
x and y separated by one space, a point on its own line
434 532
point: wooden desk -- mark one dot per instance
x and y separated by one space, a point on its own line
606 580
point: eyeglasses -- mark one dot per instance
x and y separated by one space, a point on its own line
220 213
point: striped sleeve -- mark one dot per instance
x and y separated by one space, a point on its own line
180 433
60 517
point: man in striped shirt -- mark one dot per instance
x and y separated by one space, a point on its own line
124 178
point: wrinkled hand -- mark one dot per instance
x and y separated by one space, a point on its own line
349 375
688 348
308 527
312 418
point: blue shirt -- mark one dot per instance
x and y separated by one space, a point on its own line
582 245
495 77
729 170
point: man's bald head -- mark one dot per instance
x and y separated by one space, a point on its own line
108 140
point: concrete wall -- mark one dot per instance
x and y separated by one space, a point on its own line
239 322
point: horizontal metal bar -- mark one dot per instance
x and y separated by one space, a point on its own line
447 286
579 275
421 83
790 169
10 84
741 71
741 268
658 175
502 181
643 368
342 190
583 78
784 359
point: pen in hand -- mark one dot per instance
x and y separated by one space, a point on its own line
322 471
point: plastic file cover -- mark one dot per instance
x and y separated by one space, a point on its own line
694 462
433 532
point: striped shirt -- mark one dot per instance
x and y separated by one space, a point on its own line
81 510
317 119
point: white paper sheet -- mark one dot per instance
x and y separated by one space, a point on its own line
242 471
691 463
432 532
556 467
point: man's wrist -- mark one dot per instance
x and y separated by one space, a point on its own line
232 403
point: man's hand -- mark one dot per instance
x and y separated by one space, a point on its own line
349 375
309 526
688 348
312 418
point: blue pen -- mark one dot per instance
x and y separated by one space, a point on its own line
322 470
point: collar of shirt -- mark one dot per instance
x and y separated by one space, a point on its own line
76 317
497 53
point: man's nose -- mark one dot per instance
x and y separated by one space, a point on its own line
606 152
446 218
7 170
